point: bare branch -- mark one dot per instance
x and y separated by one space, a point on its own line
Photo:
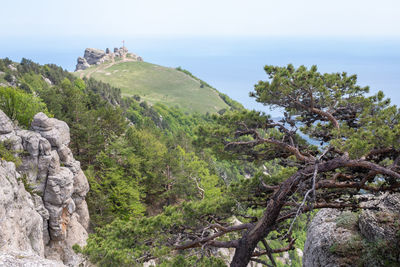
259 140
207 240
290 246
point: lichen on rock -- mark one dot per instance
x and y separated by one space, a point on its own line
368 238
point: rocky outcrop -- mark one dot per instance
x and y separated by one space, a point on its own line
343 238
82 64
53 216
23 259
93 56
379 224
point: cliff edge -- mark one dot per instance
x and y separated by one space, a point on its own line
43 211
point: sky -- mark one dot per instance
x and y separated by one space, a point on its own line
363 18
224 42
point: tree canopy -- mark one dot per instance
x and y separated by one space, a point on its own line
358 152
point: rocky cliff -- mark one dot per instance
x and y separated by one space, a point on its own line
367 238
95 56
43 211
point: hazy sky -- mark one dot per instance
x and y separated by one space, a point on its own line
355 18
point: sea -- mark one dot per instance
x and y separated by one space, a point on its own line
232 64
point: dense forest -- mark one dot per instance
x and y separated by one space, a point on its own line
179 188
143 162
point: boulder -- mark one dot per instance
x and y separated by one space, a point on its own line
340 238
81 64
41 122
93 55
55 131
6 125
12 67
322 235
381 223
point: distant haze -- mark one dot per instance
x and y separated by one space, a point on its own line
234 65
201 18
226 43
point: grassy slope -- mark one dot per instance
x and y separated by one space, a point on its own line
155 83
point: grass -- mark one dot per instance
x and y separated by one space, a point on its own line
158 84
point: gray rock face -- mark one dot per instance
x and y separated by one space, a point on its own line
48 222
321 236
6 125
378 224
24 259
81 64
336 238
93 56
21 225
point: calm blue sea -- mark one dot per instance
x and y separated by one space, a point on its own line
233 65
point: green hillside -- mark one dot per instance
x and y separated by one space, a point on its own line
158 84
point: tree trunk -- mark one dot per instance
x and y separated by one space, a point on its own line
243 253
249 241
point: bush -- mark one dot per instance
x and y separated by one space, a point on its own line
20 106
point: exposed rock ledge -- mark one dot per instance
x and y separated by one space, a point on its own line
95 56
337 238
47 223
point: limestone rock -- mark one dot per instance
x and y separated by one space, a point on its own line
380 224
48 81
81 185
6 125
93 55
12 67
55 131
41 122
24 259
20 225
81 64
321 236
336 238
59 187
55 217
83 212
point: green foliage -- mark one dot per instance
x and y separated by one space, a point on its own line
347 220
181 261
20 106
70 102
360 252
106 91
381 253
4 64
77 248
158 84
8 155
28 187
128 242
229 101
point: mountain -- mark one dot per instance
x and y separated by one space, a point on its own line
153 83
